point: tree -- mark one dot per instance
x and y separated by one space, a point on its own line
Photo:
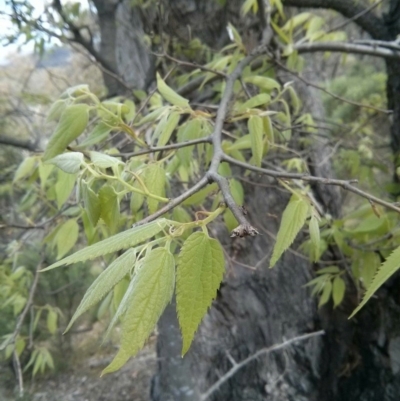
201 153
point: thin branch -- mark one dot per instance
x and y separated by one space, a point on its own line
347 185
174 202
321 88
178 145
346 47
264 351
17 367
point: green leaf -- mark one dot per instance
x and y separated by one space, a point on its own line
265 83
170 95
199 196
244 142
168 129
386 270
314 236
293 219
109 207
66 237
44 173
26 168
199 275
329 270
52 321
154 178
104 283
126 239
102 160
91 203
69 162
153 289
99 133
72 123
326 293
255 126
259 100
56 110
338 290
64 185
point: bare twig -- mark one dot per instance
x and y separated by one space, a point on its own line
347 185
321 88
173 146
264 351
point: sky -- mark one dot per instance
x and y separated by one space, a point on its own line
6 27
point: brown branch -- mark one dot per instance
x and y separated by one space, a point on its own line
347 185
264 351
173 146
18 143
321 88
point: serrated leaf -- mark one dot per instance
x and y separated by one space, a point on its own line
69 162
72 123
52 321
153 289
91 203
109 207
26 168
338 290
104 283
170 95
169 127
386 270
314 236
200 270
104 161
126 239
293 220
255 126
326 293
154 178
66 237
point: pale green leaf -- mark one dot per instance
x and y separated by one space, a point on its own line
199 275
99 133
64 185
52 321
44 173
326 293
314 236
109 207
265 83
338 290
26 168
386 270
168 129
153 289
66 237
329 270
255 126
56 110
91 203
104 283
199 196
170 95
244 142
126 239
72 123
293 220
104 161
69 162
154 178
261 99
